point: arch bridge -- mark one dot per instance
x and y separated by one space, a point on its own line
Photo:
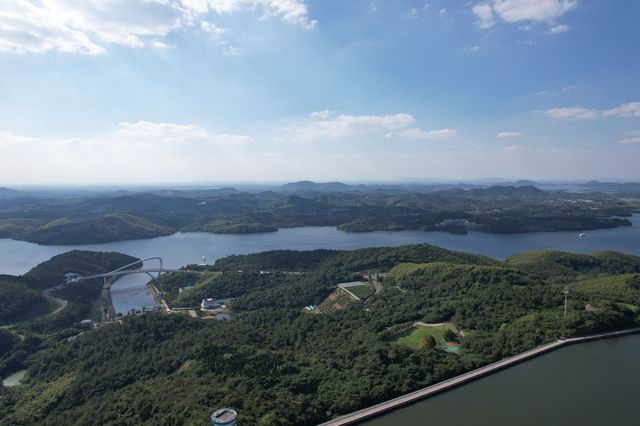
109 278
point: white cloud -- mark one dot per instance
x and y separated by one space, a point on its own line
532 10
10 138
511 148
27 28
504 135
472 49
521 10
631 141
142 151
577 113
420 134
484 13
559 29
324 126
147 131
128 22
291 11
321 114
631 109
211 29
85 26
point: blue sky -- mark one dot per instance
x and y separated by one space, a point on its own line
115 91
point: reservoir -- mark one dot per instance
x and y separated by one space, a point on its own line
586 384
17 257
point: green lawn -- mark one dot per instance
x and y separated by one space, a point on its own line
362 291
414 334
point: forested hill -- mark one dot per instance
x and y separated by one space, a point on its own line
22 299
96 218
298 349
381 258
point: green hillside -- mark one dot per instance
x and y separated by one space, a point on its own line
277 360
112 227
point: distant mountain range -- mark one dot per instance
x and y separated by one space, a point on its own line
9 194
595 185
307 185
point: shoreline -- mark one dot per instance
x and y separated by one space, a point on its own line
446 385
336 227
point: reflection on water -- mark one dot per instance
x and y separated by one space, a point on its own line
131 292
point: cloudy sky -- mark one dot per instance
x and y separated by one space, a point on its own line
113 91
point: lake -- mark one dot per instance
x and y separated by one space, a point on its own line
17 257
587 384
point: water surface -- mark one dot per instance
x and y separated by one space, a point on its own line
587 384
17 257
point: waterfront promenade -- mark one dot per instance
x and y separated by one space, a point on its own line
420 394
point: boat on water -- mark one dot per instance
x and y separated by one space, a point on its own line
582 234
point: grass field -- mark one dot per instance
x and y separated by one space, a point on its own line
413 335
362 291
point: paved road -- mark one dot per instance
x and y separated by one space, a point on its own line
467 377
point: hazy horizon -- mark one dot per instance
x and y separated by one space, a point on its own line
108 186
182 91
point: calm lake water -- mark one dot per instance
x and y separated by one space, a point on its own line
588 384
17 257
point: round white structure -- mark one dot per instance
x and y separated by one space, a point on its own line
224 417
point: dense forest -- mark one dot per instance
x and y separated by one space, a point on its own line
107 217
278 363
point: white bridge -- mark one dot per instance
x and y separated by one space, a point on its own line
110 277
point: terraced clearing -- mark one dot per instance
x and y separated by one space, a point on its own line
362 291
337 300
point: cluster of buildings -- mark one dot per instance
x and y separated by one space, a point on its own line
213 304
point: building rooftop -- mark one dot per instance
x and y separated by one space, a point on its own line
224 416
